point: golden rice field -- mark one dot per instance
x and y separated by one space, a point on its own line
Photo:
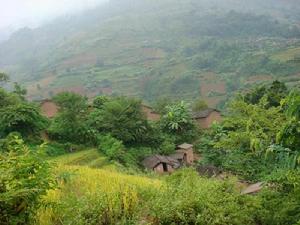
85 185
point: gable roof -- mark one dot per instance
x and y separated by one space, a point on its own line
178 155
204 113
152 161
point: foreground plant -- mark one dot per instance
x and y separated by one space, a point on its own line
24 177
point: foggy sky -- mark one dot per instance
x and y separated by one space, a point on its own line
18 13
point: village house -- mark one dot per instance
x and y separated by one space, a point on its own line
48 108
167 164
150 113
205 118
161 164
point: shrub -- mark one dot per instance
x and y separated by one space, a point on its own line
54 149
112 148
122 118
167 147
284 197
24 177
190 199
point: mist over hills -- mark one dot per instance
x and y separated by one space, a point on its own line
163 48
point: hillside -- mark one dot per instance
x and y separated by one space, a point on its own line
152 49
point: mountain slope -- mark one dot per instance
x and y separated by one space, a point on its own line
180 49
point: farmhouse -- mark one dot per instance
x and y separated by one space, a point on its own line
205 118
150 113
48 108
162 164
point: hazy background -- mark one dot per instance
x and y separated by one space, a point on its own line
150 49
19 13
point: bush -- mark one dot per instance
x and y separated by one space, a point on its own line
284 197
112 148
24 177
167 147
190 199
54 149
122 118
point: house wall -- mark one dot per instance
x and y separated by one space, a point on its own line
206 123
189 156
150 114
160 169
189 159
49 109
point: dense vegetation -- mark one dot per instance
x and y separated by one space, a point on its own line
151 49
83 166
257 141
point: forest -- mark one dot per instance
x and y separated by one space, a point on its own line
83 166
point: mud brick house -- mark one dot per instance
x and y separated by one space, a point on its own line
205 118
150 113
167 164
48 108
161 164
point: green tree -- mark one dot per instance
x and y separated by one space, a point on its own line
177 118
274 93
122 118
251 127
178 122
289 136
70 122
21 117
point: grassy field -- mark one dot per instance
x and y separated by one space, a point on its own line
92 190
87 178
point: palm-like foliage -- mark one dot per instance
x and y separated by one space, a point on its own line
177 118
122 118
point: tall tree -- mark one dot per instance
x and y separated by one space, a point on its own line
122 118
70 122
